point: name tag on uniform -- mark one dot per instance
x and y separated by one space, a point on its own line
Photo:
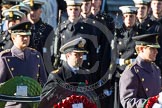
78 105
21 91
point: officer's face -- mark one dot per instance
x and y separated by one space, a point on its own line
142 11
34 15
21 42
149 53
75 59
73 12
86 7
156 7
129 20
96 4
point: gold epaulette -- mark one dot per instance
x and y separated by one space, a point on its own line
55 71
129 66
31 48
5 51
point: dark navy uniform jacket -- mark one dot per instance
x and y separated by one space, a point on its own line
63 75
15 62
126 46
138 82
40 32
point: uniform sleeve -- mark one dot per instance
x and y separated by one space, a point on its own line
128 89
43 73
3 71
48 91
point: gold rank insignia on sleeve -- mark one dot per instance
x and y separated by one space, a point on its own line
55 71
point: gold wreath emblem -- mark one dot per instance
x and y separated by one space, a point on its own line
10 14
80 44
31 3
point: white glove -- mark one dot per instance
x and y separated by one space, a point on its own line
160 98
156 105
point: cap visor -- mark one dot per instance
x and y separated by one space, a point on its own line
22 33
154 46
83 51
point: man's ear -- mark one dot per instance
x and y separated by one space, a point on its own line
12 37
40 10
142 48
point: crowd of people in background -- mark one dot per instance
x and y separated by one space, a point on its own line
74 41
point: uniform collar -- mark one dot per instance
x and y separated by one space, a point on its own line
147 66
39 22
17 52
155 19
74 70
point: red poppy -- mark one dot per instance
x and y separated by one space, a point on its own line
75 99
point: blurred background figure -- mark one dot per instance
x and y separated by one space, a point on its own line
12 17
40 31
86 8
23 8
156 6
125 44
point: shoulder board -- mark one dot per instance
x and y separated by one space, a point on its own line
5 51
63 25
157 67
56 71
130 66
31 48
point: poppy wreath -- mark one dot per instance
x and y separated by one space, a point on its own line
75 99
150 102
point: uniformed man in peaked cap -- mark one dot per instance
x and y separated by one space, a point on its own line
21 60
125 44
143 18
142 78
70 72
12 17
143 12
156 6
23 8
41 32
6 4
65 30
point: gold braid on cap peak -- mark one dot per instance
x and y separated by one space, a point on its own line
80 44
